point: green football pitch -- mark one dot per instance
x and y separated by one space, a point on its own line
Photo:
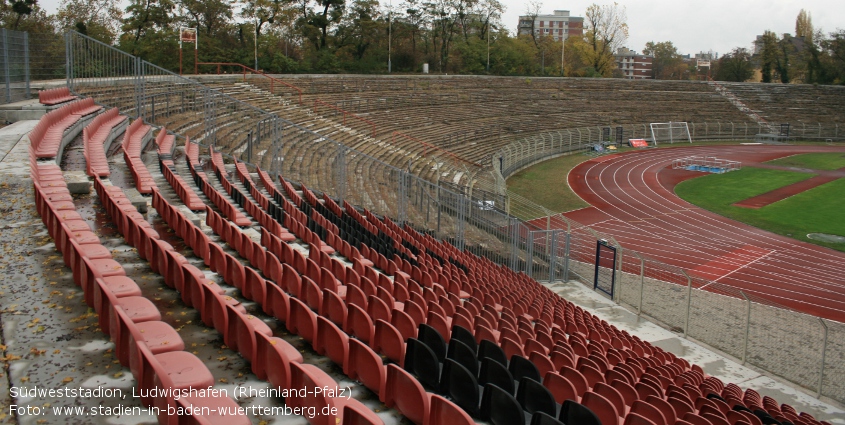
818 210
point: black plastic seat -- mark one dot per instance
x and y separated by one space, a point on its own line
491 350
500 408
493 372
464 335
575 413
460 385
520 367
421 361
430 337
459 352
765 417
540 418
534 397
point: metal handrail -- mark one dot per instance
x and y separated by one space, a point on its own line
245 68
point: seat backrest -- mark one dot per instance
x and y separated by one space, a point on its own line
461 386
406 394
648 411
601 406
462 354
432 338
540 418
575 413
490 350
520 367
613 395
499 407
560 387
534 397
422 362
444 412
464 335
493 372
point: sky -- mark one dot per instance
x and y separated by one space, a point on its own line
692 25
700 25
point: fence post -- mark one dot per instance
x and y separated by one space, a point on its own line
747 327
26 61
824 353
566 256
68 54
6 65
642 283
689 302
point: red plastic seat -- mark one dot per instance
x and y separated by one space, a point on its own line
242 330
388 341
175 370
332 342
365 366
636 419
561 388
602 407
302 321
406 394
444 412
158 336
649 412
359 323
278 353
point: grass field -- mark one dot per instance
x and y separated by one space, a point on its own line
813 161
545 183
818 210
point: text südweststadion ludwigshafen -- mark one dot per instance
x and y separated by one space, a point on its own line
238 392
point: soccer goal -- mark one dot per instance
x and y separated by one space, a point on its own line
670 132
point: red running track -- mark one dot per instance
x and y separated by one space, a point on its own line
633 200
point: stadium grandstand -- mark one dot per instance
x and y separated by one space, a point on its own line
246 248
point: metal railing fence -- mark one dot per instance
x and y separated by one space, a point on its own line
783 342
27 57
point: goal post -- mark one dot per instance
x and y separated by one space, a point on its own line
670 132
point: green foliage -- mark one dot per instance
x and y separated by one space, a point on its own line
667 63
735 66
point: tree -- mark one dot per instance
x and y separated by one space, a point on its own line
735 66
142 18
804 26
98 19
667 63
532 10
768 55
607 30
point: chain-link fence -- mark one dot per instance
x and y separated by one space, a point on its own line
786 343
26 57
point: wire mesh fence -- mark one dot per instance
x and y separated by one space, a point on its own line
794 346
26 57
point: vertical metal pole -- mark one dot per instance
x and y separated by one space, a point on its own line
824 353
68 68
6 66
689 302
747 327
26 61
529 256
566 256
553 256
642 284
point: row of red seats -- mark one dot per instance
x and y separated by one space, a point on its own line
133 141
324 334
94 137
179 185
143 342
165 143
258 209
153 350
55 96
201 180
47 136
270 358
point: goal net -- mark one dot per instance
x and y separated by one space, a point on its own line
670 132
